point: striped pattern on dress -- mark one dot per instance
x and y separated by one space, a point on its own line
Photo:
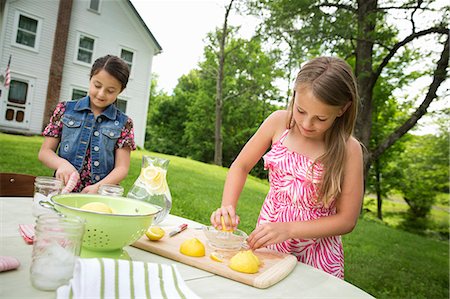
293 186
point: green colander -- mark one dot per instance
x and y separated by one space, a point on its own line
106 234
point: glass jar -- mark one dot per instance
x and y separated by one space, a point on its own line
44 188
151 185
110 190
56 246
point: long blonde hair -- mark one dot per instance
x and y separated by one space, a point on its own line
332 81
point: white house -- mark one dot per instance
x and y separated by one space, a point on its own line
52 45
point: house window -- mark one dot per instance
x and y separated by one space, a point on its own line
17 98
121 105
27 30
85 49
78 94
127 56
94 5
18 92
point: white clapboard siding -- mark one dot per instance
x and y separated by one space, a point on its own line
116 26
28 63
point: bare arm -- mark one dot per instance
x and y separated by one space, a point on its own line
348 206
246 160
47 155
120 171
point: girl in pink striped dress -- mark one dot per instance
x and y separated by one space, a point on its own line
315 169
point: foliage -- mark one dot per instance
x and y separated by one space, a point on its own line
164 121
386 116
423 169
382 261
183 124
364 33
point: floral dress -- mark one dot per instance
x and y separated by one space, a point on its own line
292 198
54 129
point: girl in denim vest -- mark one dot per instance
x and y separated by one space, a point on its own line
90 139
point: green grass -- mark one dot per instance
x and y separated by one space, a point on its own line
383 261
394 212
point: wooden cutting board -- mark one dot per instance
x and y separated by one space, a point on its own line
274 265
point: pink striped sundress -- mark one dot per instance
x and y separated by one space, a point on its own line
291 198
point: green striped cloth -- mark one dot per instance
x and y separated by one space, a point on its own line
112 278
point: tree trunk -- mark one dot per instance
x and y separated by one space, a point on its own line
219 90
378 190
58 56
364 72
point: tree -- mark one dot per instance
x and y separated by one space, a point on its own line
360 32
424 171
248 94
167 116
222 37
184 124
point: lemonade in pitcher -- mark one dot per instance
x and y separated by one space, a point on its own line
151 185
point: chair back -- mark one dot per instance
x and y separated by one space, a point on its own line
16 184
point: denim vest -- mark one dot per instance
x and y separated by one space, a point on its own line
82 129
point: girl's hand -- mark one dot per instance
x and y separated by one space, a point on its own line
268 233
228 214
91 189
64 171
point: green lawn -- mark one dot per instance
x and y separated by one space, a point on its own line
383 261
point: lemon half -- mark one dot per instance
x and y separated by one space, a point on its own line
245 262
155 233
222 221
192 247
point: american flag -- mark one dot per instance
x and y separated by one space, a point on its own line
8 74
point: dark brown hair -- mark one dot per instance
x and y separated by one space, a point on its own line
115 66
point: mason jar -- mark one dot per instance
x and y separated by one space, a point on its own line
56 246
44 188
110 190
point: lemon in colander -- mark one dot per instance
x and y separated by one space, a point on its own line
97 207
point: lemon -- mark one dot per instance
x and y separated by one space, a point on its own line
155 233
216 257
97 207
245 262
222 221
254 257
154 179
192 247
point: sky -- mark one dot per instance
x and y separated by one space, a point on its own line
180 27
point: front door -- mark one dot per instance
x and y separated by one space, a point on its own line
16 105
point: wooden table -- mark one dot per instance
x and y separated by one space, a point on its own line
303 282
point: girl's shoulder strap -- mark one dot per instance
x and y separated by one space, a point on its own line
283 136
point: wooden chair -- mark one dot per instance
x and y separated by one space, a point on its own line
16 184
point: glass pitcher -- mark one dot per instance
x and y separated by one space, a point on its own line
151 185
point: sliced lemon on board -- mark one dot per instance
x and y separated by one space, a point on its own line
245 262
97 207
192 247
216 257
155 233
